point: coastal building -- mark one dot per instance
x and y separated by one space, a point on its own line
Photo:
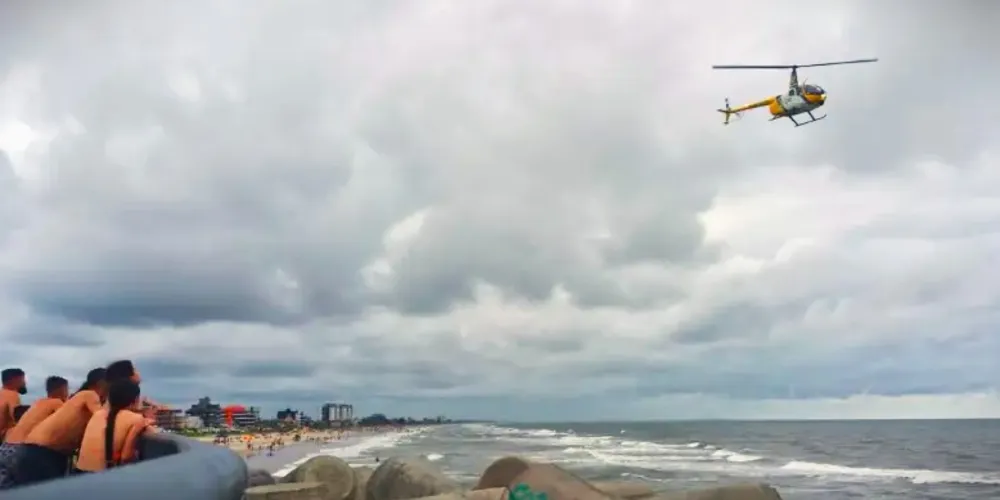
247 418
337 412
288 415
170 419
192 422
209 412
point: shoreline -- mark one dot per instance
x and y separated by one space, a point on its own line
348 445
288 457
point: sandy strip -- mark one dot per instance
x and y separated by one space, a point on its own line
284 456
292 455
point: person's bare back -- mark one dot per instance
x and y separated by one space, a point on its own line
10 397
38 412
8 401
129 427
63 430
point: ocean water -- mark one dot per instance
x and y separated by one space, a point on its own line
913 460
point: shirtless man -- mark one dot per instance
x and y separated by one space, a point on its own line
57 392
46 450
14 387
10 400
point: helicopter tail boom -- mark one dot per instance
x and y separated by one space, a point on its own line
738 111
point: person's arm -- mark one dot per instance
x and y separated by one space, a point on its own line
130 451
92 402
8 412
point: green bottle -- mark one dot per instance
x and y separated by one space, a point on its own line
523 492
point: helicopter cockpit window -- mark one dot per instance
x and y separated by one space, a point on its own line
813 89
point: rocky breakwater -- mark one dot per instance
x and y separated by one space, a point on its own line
329 478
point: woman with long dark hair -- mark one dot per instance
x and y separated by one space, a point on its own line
124 369
112 435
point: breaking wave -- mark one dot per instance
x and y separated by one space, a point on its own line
571 449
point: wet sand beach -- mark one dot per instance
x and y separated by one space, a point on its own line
294 454
357 447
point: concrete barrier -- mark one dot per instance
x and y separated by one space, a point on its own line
172 468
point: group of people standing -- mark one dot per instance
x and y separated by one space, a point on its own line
93 429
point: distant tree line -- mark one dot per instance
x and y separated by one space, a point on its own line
271 425
377 419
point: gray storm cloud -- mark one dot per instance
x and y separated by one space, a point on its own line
473 203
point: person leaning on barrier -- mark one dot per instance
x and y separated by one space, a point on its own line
112 435
57 391
47 450
14 386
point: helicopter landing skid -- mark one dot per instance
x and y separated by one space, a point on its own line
812 119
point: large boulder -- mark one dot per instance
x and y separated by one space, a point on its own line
290 491
334 474
259 477
402 479
557 483
734 492
361 477
629 490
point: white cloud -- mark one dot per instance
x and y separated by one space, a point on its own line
453 202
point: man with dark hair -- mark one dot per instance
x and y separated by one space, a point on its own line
57 387
57 392
10 397
13 379
44 452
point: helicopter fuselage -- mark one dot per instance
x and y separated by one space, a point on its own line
799 100
785 105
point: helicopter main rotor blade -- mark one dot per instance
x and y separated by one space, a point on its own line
837 63
791 66
752 66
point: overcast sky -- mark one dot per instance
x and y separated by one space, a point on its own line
515 209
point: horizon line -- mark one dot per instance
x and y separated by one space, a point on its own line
723 419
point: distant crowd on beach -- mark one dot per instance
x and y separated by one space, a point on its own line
94 428
249 444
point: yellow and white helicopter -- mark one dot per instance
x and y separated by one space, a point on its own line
798 100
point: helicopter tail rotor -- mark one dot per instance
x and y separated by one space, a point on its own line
728 112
